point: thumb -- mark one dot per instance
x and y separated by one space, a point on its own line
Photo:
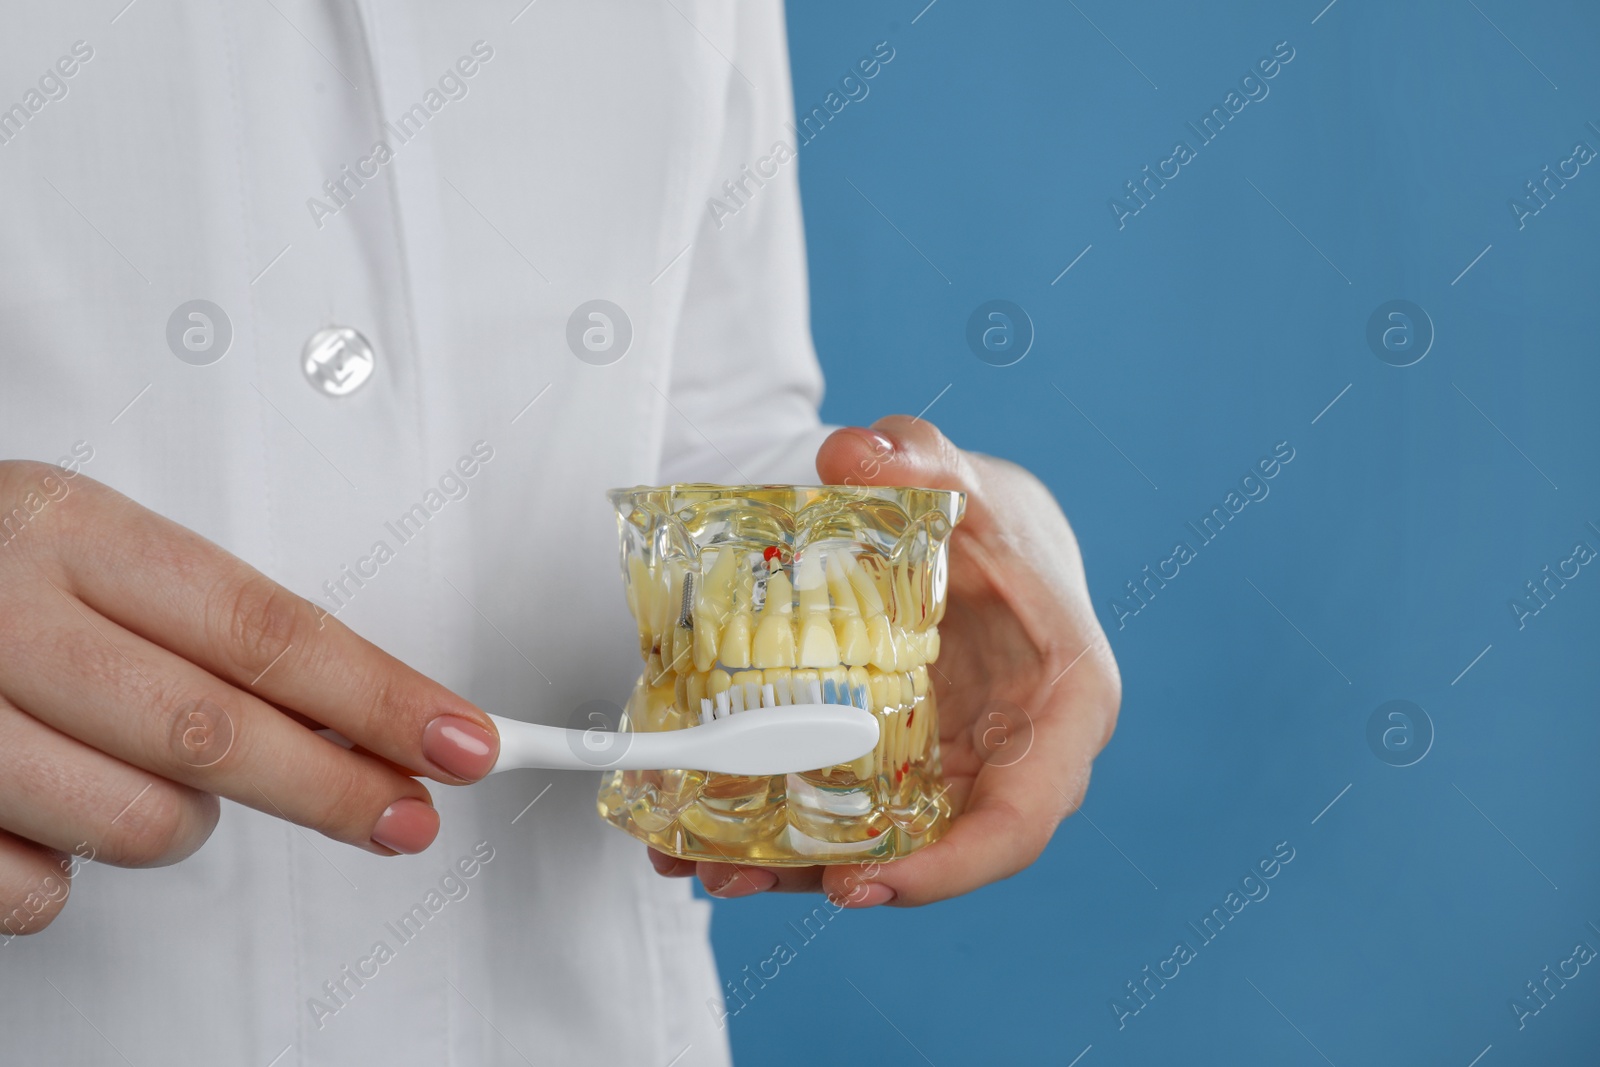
903 451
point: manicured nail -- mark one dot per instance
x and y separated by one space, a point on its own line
460 747
871 895
408 825
745 883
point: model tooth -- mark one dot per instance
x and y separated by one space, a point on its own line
663 613
810 583
707 639
818 647
716 589
637 576
882 639
855 647
835 685
885 691
663 630
904 607
680 692
695 689
638 590
930 651
866 589
735 650
774 641
653 670
712 606
844 598
850 632
682 651
780 596
907 692
907 648
919 682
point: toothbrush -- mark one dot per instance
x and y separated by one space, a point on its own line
815 692
830 726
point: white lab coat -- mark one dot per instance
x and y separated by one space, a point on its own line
178 164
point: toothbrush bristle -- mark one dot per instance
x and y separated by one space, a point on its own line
705 711
769 699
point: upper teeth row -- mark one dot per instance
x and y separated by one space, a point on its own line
843 615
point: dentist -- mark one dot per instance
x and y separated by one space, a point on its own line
326 323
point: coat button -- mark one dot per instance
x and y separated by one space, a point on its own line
338 360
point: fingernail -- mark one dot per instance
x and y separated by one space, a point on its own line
871 895
460 747
745 883
669 865
880 443
408 825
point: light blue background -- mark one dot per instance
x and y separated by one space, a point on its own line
1196 338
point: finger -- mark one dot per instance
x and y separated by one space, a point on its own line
670 866
729 880
34 884
1008 818
149 708
180 591
60 793
900 450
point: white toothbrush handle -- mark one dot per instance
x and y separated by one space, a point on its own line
780 740
528 744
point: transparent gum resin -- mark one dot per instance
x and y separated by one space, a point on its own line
757 595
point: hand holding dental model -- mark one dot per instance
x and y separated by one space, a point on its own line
137 660
1018 634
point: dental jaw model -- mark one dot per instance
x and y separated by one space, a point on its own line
779 596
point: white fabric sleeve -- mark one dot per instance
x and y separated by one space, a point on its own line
745 384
